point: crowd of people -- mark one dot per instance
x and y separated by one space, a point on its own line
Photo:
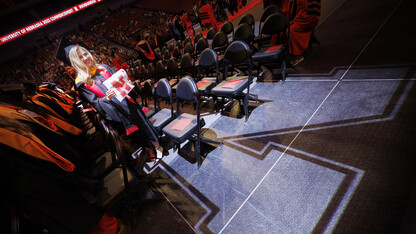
122 30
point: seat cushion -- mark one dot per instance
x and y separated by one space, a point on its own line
161 118
181 128
232 86
206 84
269 54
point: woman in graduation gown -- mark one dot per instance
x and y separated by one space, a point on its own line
128 114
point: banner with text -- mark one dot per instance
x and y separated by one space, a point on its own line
46 21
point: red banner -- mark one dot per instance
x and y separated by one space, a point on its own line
47 21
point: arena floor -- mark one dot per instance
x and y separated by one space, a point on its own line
332 149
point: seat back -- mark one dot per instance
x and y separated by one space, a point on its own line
197 37
150 70
267 12
172 68
189 48
159 70
187 65
227 28
187 90
237 52
276 23
187 40
170 47
164 90
177 53
211 33
201 45
178 44
157 50
244 33
166 55
247 19
209 58
146 91
220 41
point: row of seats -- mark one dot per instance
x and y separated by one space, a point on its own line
69 155
180 127
188 61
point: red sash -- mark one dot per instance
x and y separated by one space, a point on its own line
97 91
150 55
94 88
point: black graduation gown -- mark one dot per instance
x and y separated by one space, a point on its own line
125 112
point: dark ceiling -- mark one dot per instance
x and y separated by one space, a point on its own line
16 14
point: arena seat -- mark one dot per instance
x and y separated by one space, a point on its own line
187 126
278 24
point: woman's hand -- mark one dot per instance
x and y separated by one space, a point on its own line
110 94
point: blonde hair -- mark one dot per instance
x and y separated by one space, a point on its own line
83 71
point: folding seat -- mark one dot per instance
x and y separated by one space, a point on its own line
160 70
108 158
170 47
237 53
179 45
166 55
278 24
220 42
248 19
144 73
117 184
197 37
210 34
186 41
172 72
228 28
165 115
146 93
176 53
244 33
207 62
189 48
157 50
186 66
163 50
150 70
187 126
266 13
200 46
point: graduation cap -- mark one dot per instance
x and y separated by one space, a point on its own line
62 53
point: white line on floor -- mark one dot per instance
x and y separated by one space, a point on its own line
283 153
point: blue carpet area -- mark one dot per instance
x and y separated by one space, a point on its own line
330 150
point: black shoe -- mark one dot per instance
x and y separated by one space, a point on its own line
296 60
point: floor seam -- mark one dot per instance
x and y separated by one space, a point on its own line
301 130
